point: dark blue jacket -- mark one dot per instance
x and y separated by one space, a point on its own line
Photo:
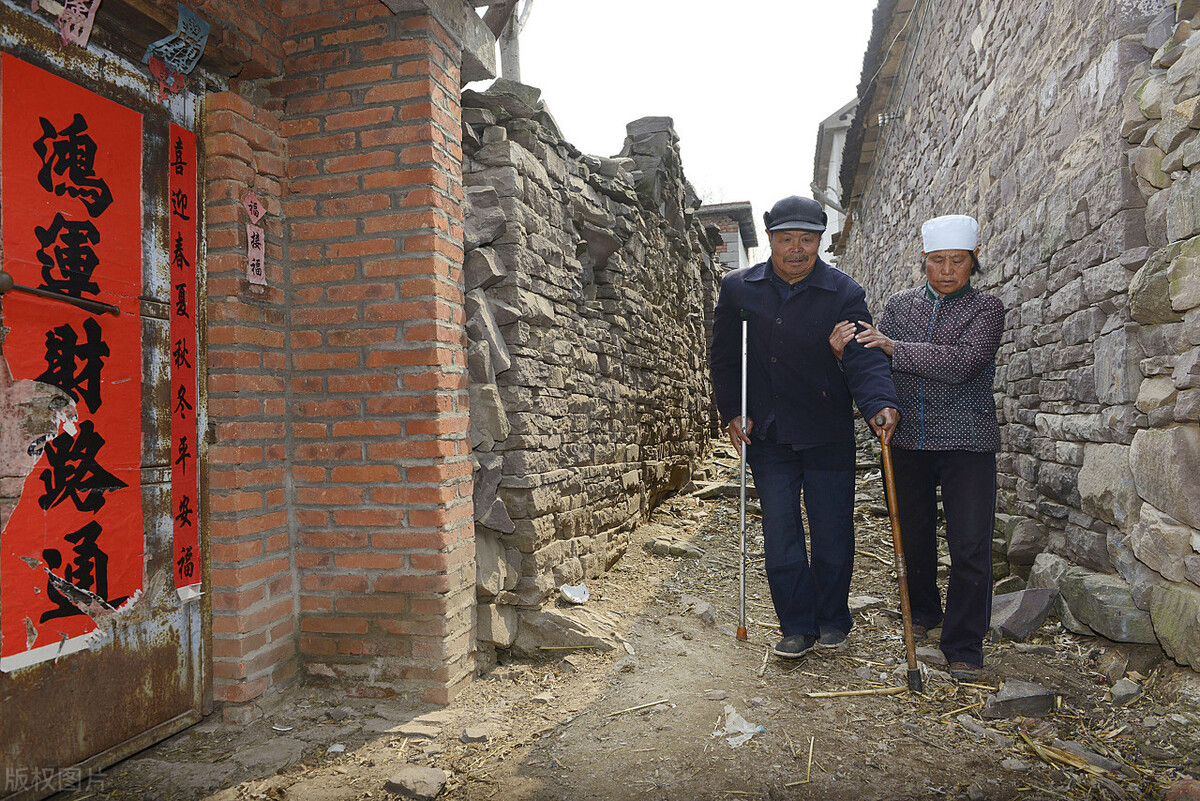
793 376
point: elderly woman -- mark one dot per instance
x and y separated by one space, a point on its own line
942 340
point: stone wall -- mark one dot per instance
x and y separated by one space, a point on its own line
587 281
1160 556
1006 112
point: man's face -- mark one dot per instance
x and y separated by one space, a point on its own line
793 253
948 270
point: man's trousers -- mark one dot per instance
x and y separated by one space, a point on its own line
809 587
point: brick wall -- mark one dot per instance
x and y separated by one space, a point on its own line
250 561
377 372
339 504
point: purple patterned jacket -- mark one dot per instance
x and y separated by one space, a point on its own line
943 366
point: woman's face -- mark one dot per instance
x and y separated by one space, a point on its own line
948 270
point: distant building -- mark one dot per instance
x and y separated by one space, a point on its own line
827 168
735 221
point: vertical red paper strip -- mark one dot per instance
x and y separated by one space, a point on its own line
71 548
184 201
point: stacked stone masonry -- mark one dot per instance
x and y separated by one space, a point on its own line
586 282
1074 137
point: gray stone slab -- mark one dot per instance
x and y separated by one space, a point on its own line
1019 614
1019 698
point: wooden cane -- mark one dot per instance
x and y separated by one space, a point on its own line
889 483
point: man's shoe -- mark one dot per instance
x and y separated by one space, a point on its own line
795 646
964 671
831 638
919 632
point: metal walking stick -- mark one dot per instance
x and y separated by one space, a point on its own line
741 632
889 484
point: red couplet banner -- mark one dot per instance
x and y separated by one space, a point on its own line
183 188
71 539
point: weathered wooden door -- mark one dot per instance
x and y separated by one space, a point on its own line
102 633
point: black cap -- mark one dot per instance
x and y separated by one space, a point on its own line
796 213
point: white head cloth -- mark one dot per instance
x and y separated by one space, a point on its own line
952 232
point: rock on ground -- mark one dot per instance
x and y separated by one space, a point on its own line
1019 614
414 781
1019 698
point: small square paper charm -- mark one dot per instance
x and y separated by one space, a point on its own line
254 207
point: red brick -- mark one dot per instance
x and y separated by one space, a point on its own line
369 561
326 229
410 404
252 619
359 162
325 316
390 582
362 336
238 599
420 628
356 204
366 247
372 383
224 647
397 48
368 428
443 425
331 407
333 583
366 474
334 539
394 135
325 361
396 91
328 495
409 494
234 551
247 574
379 73
414 357
317 646
316 603
315 145
241 692
428 540
318 61
334 625
420 449
423 176
324 186
359 119
310 431
435 380
377 518
439 517
322 274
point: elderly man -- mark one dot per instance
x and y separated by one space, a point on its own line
800 422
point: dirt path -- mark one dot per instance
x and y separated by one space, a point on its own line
557 729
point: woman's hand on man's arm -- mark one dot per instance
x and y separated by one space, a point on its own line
872 337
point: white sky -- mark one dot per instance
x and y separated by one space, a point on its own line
747 82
